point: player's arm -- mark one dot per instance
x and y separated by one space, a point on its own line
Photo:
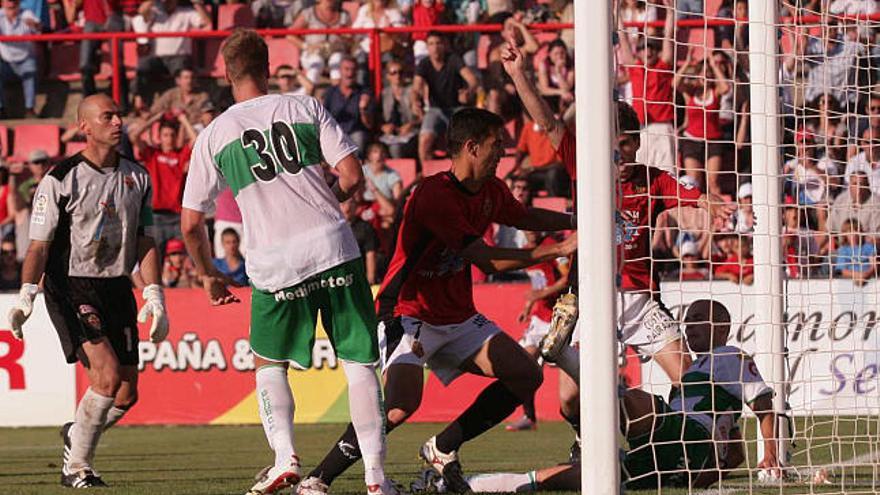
351 177
195 236
763 409
539 110
492 259
34 262
539 219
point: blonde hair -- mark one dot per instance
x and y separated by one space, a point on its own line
246 56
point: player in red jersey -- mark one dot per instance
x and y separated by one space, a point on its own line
644 192
426 303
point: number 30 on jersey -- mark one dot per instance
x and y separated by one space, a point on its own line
284 147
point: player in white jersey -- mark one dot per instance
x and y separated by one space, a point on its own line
302 256
692 441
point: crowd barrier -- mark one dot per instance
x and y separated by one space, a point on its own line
202 373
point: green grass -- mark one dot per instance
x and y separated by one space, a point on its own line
222 460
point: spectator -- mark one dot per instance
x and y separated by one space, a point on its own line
832 59
365 236
168 55
700 146
858 203
292 81
7 204
351 104
725 33
556 77
101 16
830 128
206 115
537 160
638 11
807 182
178 270
744 222
738 267
399 127
382 181
378 14
692 268
320 51
278 14
167 164
10 268
867 161
446 83
856 258
18 60
40 9
802 247
650 70
426 14
871 121
182 97
505 235
226 217
38 165
231 263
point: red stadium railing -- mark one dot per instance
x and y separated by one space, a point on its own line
374 60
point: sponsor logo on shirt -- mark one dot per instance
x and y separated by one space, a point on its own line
627 226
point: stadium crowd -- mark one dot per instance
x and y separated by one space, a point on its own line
689 87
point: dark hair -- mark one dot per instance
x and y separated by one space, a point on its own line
9 238
230 231
168 124
436 34
470 124
718 313
627 119
557 43
180 71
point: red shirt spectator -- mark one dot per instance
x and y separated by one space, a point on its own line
704 116
426 13
533 141
652 92
98 11
168 172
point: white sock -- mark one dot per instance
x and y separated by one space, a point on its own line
503 482
113 416
91 414
569 361
275 403
368 417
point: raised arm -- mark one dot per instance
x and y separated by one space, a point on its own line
539 110
667 53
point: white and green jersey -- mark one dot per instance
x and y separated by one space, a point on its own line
715 387
269 150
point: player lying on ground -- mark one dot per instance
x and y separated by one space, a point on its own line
699 424
426 304
644 322
89 225
302 255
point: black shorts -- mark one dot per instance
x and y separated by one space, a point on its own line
699 149
87 309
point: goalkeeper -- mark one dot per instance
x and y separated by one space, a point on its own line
691 441
88 227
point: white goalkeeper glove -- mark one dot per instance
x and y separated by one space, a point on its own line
154 305
22 309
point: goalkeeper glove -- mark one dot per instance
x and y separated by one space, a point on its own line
154 305
22 309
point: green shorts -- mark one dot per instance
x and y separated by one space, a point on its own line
283 322
677 447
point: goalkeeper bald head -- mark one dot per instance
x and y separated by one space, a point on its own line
706 325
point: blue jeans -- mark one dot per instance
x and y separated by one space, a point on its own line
26 72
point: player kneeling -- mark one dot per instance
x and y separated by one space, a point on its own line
690 441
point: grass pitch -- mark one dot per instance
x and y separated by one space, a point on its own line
214 460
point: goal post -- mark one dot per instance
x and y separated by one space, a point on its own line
596 259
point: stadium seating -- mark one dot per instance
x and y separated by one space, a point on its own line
282 52
30 137
4 141
352 9
431 167
73 147
505 166
406 167
233 15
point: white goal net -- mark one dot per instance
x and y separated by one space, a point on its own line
774 110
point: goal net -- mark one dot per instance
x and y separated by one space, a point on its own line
774 110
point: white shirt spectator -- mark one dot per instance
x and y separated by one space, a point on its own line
852 7
832 68
182 19
17 51
860 163
391 18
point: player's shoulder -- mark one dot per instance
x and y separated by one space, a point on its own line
132 164
62 169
